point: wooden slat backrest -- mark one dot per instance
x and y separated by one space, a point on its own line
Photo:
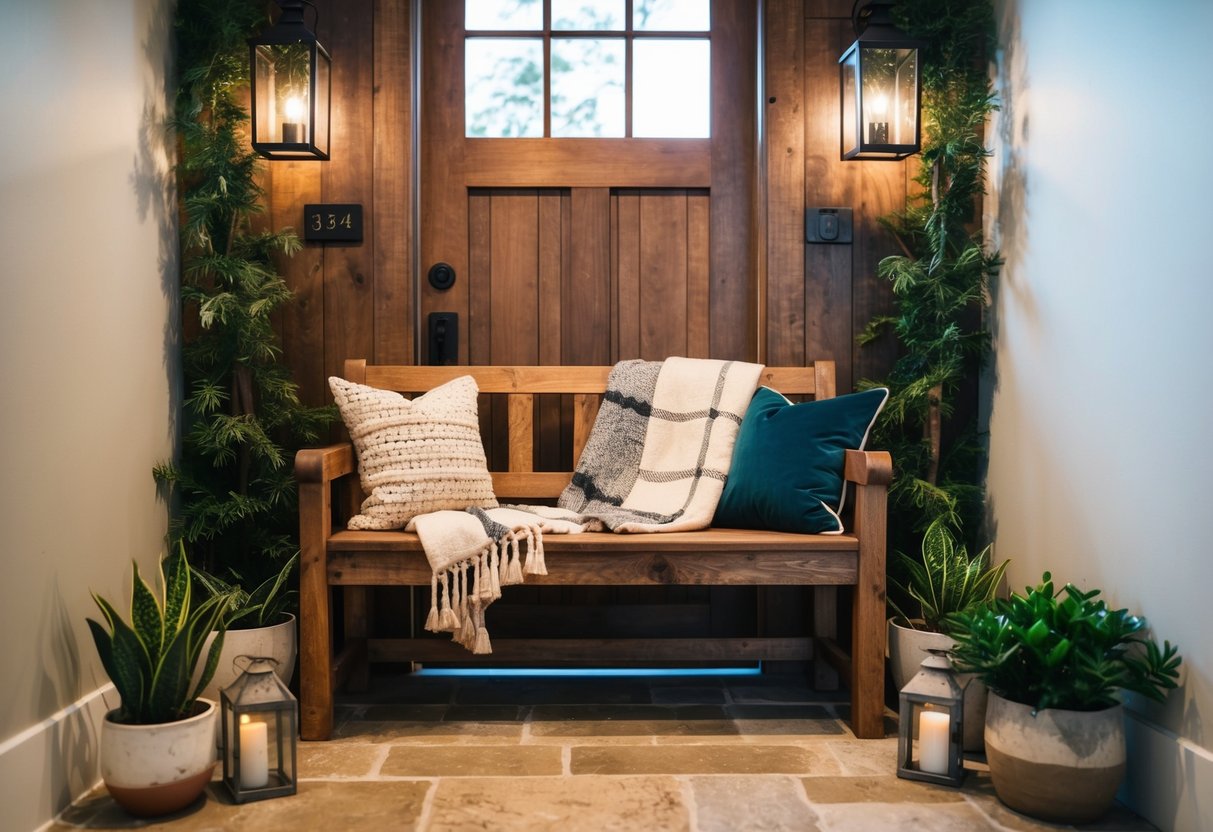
520 386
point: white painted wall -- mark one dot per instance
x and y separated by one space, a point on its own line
1101 465
88 384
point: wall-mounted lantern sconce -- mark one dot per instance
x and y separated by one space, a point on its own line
290 76
881 89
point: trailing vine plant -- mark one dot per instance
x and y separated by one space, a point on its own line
243 420
939 281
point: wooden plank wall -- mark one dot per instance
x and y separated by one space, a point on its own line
635 279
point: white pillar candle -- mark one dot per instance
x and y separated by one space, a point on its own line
933 729
254 754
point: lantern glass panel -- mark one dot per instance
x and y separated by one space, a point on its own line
284 72
930 736
850 119
889 95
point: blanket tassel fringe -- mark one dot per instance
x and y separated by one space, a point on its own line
459 612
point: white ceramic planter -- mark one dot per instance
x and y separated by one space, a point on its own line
908 647
277 642
157 769
1057 765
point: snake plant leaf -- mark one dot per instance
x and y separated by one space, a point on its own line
129 662
147 619
127 680
176 588
212 664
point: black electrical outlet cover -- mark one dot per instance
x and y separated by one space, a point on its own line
827 225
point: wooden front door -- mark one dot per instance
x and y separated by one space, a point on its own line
589 250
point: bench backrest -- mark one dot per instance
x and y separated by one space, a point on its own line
520 386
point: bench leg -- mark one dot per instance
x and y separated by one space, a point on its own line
315 618
868 628
358 606
825 626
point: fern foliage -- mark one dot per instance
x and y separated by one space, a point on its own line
243 419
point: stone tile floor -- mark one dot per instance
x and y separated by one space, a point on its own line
702 754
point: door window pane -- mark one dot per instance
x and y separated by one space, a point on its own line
503 87
672 15
670 88
587 87
503 15
588 14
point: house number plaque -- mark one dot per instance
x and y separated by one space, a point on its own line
333 222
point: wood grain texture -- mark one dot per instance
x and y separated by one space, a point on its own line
604 559
699 275
663 274
294 184
626 316
514 280
868 627
785 166
392 184
585 411
733 277
585 337
349 312
522 432
588 163
315 619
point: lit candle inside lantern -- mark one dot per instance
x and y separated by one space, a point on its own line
878 120
293 129
254 754
933 730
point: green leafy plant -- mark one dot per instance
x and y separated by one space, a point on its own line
152 658
946 580
939 281
1062 650
266 605
243 420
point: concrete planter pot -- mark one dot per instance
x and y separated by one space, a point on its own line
157 769
277 642
1057 765
908 647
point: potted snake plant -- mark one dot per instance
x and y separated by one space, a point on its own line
157 746
944 582
1055 664
258 624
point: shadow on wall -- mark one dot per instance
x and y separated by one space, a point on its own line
72 768
154 184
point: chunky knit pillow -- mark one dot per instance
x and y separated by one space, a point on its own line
415 456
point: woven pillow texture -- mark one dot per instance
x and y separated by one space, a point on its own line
415 456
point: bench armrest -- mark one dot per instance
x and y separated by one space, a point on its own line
324 464
869 467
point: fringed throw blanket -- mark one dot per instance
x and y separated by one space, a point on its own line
656 461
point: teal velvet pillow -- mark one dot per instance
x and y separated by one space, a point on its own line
787 469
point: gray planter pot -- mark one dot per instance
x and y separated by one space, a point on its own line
908 647
1057 765
277 642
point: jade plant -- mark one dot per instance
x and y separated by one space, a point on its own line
946 581
151 658
1066 649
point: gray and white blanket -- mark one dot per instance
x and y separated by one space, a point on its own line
656 461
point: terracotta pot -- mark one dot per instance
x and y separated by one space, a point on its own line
277 642
1057 765
908 647
157 769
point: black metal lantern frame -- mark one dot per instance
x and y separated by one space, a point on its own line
880 87
290 88
930 732
259 739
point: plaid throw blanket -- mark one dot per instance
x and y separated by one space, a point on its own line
656 461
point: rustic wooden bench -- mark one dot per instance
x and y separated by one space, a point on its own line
337 559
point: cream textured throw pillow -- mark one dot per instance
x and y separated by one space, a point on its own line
415 456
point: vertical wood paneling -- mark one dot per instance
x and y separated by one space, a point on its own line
392 184
828 280
549 430
733 279
443 221
349 315
586 335
514 278
785 165
477 279
295 184
627 268
663 275
699 302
